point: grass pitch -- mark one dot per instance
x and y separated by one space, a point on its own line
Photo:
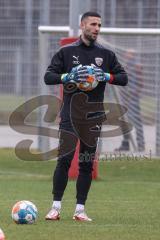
124 202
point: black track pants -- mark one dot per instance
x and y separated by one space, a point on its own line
86 157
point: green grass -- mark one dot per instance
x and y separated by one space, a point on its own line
10 102
124 202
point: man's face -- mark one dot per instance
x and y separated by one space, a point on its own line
90 27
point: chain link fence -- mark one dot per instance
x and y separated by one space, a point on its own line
19 21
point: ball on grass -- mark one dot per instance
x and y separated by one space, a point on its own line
24 212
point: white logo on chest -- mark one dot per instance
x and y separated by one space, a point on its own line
76 60
99 61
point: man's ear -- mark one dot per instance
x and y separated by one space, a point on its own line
82 25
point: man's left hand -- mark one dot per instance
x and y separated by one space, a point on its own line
101 76
82 72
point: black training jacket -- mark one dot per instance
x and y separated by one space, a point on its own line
77 53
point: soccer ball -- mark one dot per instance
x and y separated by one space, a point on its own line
90 82
2 237
89 85
24 212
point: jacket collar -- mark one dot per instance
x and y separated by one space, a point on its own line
81 42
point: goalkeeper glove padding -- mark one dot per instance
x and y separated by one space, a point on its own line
77 74
101 76
67 77
72 76
81 73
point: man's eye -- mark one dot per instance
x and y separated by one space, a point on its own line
95 24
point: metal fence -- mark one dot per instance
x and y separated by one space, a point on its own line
19 21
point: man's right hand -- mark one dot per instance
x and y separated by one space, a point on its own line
101 76
67 77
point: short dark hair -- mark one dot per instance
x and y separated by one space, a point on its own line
90 14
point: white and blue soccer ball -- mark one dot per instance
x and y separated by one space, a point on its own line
24 212
91 81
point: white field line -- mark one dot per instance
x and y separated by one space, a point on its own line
22 174
9 138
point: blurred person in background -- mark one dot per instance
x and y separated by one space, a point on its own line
131 99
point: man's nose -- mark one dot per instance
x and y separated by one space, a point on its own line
97 28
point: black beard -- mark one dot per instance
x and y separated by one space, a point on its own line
91 40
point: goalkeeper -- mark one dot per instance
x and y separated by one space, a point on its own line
64 68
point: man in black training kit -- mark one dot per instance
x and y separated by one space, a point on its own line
68 64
